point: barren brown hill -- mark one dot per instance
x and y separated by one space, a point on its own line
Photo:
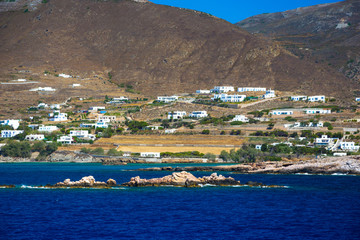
326 33
156 49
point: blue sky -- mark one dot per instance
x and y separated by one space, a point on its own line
237 10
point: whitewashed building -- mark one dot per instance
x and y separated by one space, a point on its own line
317 111
269 94
240 118
176 114
102 124
57 116
82 134
43 128
96 108
258 147
320 98
251 89
223 89
10 133
167 99
150 154
107 118
119 99
203 91
298 98
349 146
282 112
65 75
357 99
10 122
170 131
198 114
55 106
229 98
325 141
43 89
65 140
35 137
87 125
42 105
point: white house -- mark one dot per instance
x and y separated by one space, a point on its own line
42 105
43 89
223 89
176 114
102 124
150 154
282 112
87 125
251 89
82 134
258 146
57 116
203 91
317 111
10 122
357 99
44 128
65 75
35 137
339 154
76 85
55 106
167 99
320 98
229 98
170 131
198 114
269 94
240 118
106 118
10 133
119 99
96 108
325 140
298 98
349 146
65 140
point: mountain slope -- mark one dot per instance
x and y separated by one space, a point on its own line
156 49
327 33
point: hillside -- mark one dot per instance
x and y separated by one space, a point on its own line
156 49
327 33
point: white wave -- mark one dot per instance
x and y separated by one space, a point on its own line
33 187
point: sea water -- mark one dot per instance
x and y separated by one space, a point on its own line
310 207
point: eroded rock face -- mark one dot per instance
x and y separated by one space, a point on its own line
88 181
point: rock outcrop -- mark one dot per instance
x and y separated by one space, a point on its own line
183 179
69 156
330 165
88 181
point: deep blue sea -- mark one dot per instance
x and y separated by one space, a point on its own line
311 207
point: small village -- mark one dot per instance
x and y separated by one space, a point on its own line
222 124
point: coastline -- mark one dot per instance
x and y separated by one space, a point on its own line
328 165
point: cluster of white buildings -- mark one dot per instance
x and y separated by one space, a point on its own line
320 98
240 118
336 144
119 100
288 112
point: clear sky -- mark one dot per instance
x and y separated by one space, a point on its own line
237 10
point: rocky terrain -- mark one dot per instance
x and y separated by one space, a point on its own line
330 165
154 49
326 33
88 181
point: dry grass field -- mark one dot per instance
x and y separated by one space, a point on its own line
165 143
